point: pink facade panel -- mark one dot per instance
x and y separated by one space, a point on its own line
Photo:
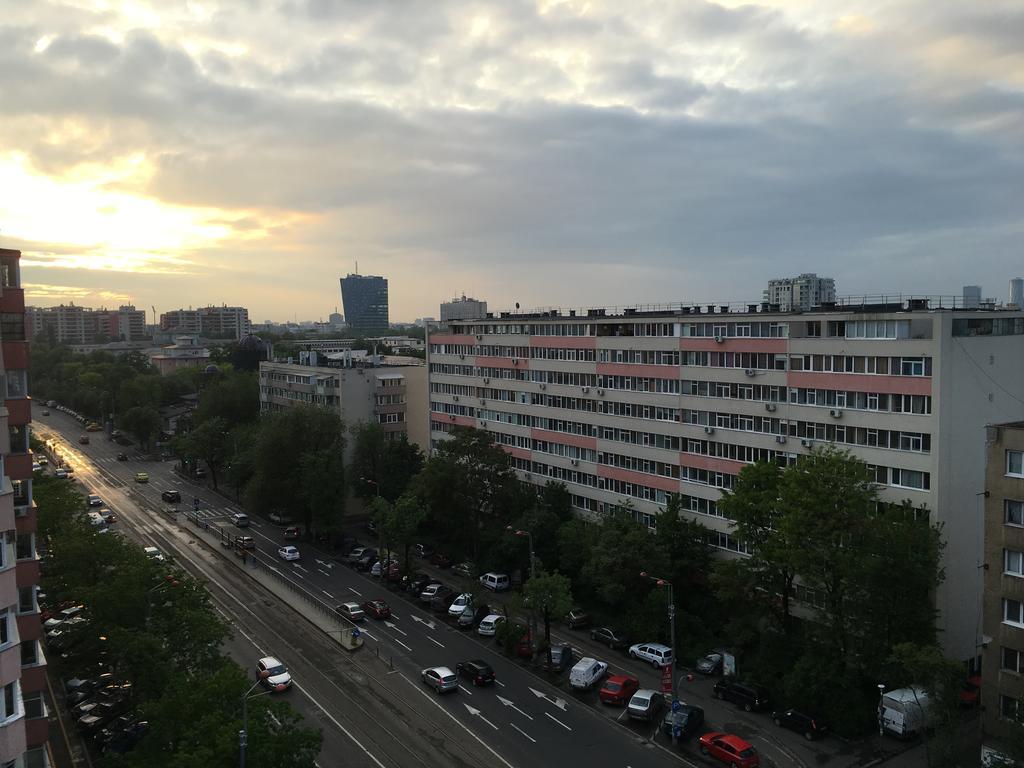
705 344
464 421
639 478
19 411
578 441
859 382
711 463
451 338
564 342
519 453
643 371
29 627
498 362
18 466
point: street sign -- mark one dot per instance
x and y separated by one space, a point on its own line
355 632
676 705
666 679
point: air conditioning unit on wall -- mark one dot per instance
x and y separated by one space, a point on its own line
806 443
836 413
750 372
780 439
770 407
709 430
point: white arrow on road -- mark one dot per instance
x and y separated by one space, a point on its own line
389 625
508 703
424 622
476 713
560 703
325 565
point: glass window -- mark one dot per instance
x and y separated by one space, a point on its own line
1011 659
29 652
1013 562
1013 611
1015 463
1013 513
1008 707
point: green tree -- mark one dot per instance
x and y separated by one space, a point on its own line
926 667
143 422
400 522
324 487
230 395
548 594
382 466
210 443
756 506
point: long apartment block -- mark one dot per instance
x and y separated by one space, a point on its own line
643 404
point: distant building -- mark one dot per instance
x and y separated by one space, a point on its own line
801 293
392 394
1003 614
972 296
336 320
1017 293
220 322
70 324
398 343
463 309
365 298
185 352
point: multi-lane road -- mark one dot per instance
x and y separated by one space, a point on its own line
371 705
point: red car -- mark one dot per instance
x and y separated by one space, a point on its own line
377 608
730 749
618 689
970 692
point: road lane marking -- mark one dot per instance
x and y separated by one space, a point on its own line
403 645
356 591
428 624
464 689
476 713
327 593
434 641
560 703
454 719
523 732
508 703
325 573
341 727
389 625
558 721
299 567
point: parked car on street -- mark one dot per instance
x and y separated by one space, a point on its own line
710 664
471 616
422 550
577 618
808 726
729 749
752 698
587 673
618 689
441 560
94 500
489 625
496 582
433 589
465 569
441 679
460 603
478 671
645 705
656 654
684 723
613 638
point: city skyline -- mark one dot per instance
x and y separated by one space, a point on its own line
541 154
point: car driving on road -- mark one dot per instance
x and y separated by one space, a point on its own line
441 679
273 673
171 496
288 553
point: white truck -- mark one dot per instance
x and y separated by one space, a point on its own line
905 712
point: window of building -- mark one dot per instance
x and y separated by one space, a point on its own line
912 366
1013 562
27 599
1013 612
910 478
1011 660
29 653
5 627
1015 463
25 546
10 701
34 707
1009 707
1013 512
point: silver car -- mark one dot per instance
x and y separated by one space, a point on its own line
441 679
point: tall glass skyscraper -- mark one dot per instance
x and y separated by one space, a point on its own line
366 302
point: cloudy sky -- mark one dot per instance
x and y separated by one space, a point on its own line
547 153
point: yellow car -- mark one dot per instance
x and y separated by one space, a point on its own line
94 427
141 477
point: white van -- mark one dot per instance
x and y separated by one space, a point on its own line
905 711
586 672
497 582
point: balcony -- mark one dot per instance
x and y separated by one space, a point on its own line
12 300
15 354
18 411
18 466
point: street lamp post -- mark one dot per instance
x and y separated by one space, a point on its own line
672 640
243 735
533 572
380 528
881 709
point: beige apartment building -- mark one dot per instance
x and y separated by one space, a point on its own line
392 394
1003 664
643 404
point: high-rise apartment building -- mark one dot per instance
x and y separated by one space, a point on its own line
801 293
1003 660
365 299
393 395
1017 293
24 726
972 296
221 322
70 324
463 309
645 404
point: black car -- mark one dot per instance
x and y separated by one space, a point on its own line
172 496
613 638
418 581
472 618
747 695
441 560
710 664
442 601
116 727
577 618
811 727
478 671
687 722
127 739
122 457
366 562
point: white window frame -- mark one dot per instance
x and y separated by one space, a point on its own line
1008 617
1015 458
1007 515
1013 563
1018 667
